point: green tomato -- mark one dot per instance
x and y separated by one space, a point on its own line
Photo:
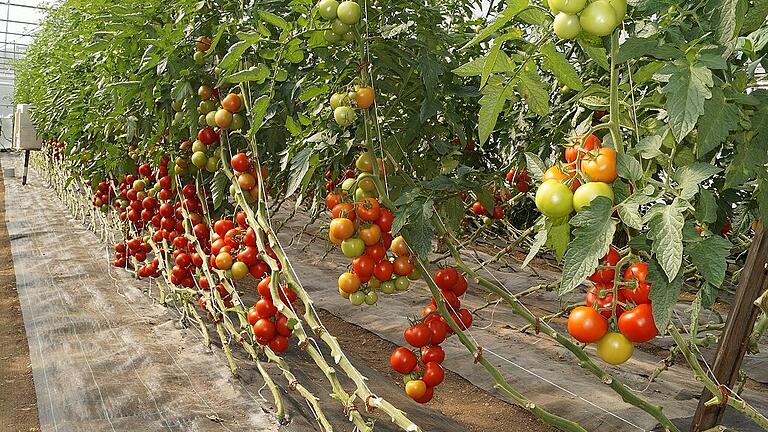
371 298
374 283
614 348
589 191
238 122
388 287
344 116
360 194
199 57
620 7
212 165
357 298
599 18
339 27
327 9
337 100
352 247
178 117
402 283
365 182
348 184
199 159
349 12
364 162
331 37
349 37
554 199
568 6
567 26
415 275
210 119
207 106
176 105
139 185
201 120
198 146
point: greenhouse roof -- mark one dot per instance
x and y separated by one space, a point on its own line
19 19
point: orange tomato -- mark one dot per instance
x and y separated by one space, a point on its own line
399 247
345 210
554 173
246 181
415 389
231 103
349 282
572 151
402 266
370 235
368 209
602 167
341 228
365 96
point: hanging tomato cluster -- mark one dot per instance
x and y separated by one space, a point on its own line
269 326
599 17
343 104
103 195
521 180
361 226
592 162
247 176
422 365
234 249
343 16
632 311
138 249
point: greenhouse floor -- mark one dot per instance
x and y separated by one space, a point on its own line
106 356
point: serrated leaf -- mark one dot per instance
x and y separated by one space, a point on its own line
755 17
706 207
418 234
492 58
709 258
532 89
392 30
538 242
628 167
649 147
513 8
558 236
475 67
452 210
665 230
717 122
592 235
535 166
494 98
663 295
555 62
724 20
597 54
685 96
219 188
258 112
636 47
258 73
236 51
689 177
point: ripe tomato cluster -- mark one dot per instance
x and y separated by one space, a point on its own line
521 180
343 104
598 17
138 249
632 308
343 16
422 367
234 249
269 326
361 226
562 192
247 176
103 195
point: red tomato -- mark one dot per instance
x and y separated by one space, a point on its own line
253 316
265 308
383 270
432 354
446 278
264 330
418 335
402 360
638 272
426 397
281 325
461 286
363 267
385 219
637 324
438 332
263 287
368 209
604 303
606 275
478 209
586 324
433 374
572 151
279 344
377 252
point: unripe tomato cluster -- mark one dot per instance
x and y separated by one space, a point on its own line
421 365
597 17
632 309
343 17
361 226
561 191
269 326
343 104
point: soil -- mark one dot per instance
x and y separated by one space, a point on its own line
457 398
18 404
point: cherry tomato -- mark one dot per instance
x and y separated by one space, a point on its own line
264 330
438 332
638 272
590 142
418 335
402 266
607 274
345 210
637 324
555 173
402 360
352 247
264 308
614 348
385 219
478 209
446 278
601 296
362 266
586 324
433 375
349 282
279 344
426 397
383 270
554 199
415 389
377 251
461 286
365 97
602 167
399 247
368 209
370 235
432 354
341 229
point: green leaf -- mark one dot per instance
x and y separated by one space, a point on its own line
709 258
535 165
592 235
748 161
717 122
219 188
216 39
555 62
636 47
686 92
236 51
597 54
538 241
299 167
664 295
418 233
665 230
761 196
274 20
493 57
755 17
628 167
532 89
258 111
558 236
689 177
724 20
649 147
706 207
258 73
485 198
475 67
513 8
494 98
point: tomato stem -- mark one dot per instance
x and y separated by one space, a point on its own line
615 120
